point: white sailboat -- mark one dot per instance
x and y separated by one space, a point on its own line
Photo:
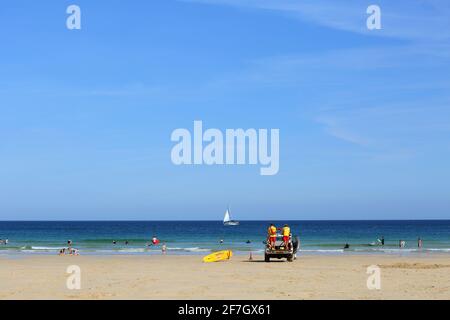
227 219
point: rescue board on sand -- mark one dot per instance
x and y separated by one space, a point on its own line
218 256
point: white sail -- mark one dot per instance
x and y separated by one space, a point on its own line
227 216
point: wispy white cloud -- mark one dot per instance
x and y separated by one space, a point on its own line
337 130
53 89
330 68
390 132
126 90
411 19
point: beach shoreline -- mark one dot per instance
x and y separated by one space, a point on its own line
186 277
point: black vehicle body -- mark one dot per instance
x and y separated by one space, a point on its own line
280 251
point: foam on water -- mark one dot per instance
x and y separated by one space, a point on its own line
202 237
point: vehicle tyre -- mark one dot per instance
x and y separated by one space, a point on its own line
290 258
266 258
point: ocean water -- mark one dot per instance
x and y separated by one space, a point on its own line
202 237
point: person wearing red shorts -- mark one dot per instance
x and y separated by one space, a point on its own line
286 231
272 235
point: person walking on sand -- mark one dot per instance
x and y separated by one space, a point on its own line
272 235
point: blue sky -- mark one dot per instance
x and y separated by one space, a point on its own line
86 116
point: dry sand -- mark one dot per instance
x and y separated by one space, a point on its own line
186 277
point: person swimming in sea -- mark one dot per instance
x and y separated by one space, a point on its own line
347 246
155 241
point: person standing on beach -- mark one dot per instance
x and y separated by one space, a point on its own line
163 248
272 235
286 235
419 243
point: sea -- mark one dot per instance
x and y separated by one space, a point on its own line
203 237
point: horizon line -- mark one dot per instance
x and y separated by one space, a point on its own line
243 220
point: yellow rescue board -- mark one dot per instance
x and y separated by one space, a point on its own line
218 256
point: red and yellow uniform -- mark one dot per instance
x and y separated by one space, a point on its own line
272 232
286 234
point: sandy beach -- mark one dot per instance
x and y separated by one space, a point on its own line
187 277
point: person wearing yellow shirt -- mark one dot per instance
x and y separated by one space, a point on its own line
286 231
272 235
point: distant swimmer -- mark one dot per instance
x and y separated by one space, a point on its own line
6 241
221 241
114 242
126 243
347 246
69 243
248 241
419 243
382 240
155 241
402 243
164 248
74 252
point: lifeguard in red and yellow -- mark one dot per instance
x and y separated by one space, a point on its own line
272 235
286 231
